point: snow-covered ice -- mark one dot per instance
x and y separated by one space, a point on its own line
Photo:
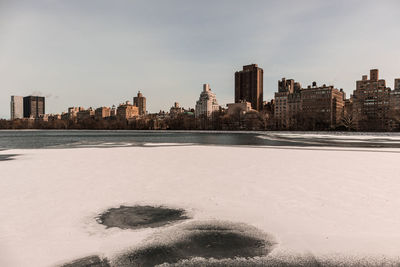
319 201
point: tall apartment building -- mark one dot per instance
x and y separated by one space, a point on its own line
287 104
394 108
249 86
207 103
140 102
322 107
16 107
127 111
371 103
34 106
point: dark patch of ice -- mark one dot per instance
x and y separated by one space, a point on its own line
136 217
288 260
217 240
90 261
4 157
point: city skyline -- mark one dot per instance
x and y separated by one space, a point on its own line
168 51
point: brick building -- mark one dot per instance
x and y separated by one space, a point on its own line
102 112
371 103
84 114
239 108
395 96
249 86
176 110
322 107
287 104
127 111
140 102
394 106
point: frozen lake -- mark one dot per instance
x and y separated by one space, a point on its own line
311 197
26 139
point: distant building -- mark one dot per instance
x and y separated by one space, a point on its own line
34 106
287 104
397 84
348 108
371 103
249 86
16 107
54 117
113 111
175 110
72 113
395 96
140 102
84 114
394 108
127 111
239 108
43 117
269 107
323 106
102 112
207 103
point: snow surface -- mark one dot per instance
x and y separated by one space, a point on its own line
319 201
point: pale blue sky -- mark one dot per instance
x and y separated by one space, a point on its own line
97 52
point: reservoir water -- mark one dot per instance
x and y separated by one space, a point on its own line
31 139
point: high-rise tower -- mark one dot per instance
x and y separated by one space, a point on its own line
207 103
34 106
16 107
140 102
249 86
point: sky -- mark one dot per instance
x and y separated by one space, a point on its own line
94 53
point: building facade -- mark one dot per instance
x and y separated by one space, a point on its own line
34 106
207 103
395 97
16 107
140 102
322 107
394 106
238 109
113 111
176 110
371 102
287 104
127 111
72 113
84 114
102 112
249 86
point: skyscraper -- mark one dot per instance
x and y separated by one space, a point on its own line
16 107
207 102
34 106
140 102
249 86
